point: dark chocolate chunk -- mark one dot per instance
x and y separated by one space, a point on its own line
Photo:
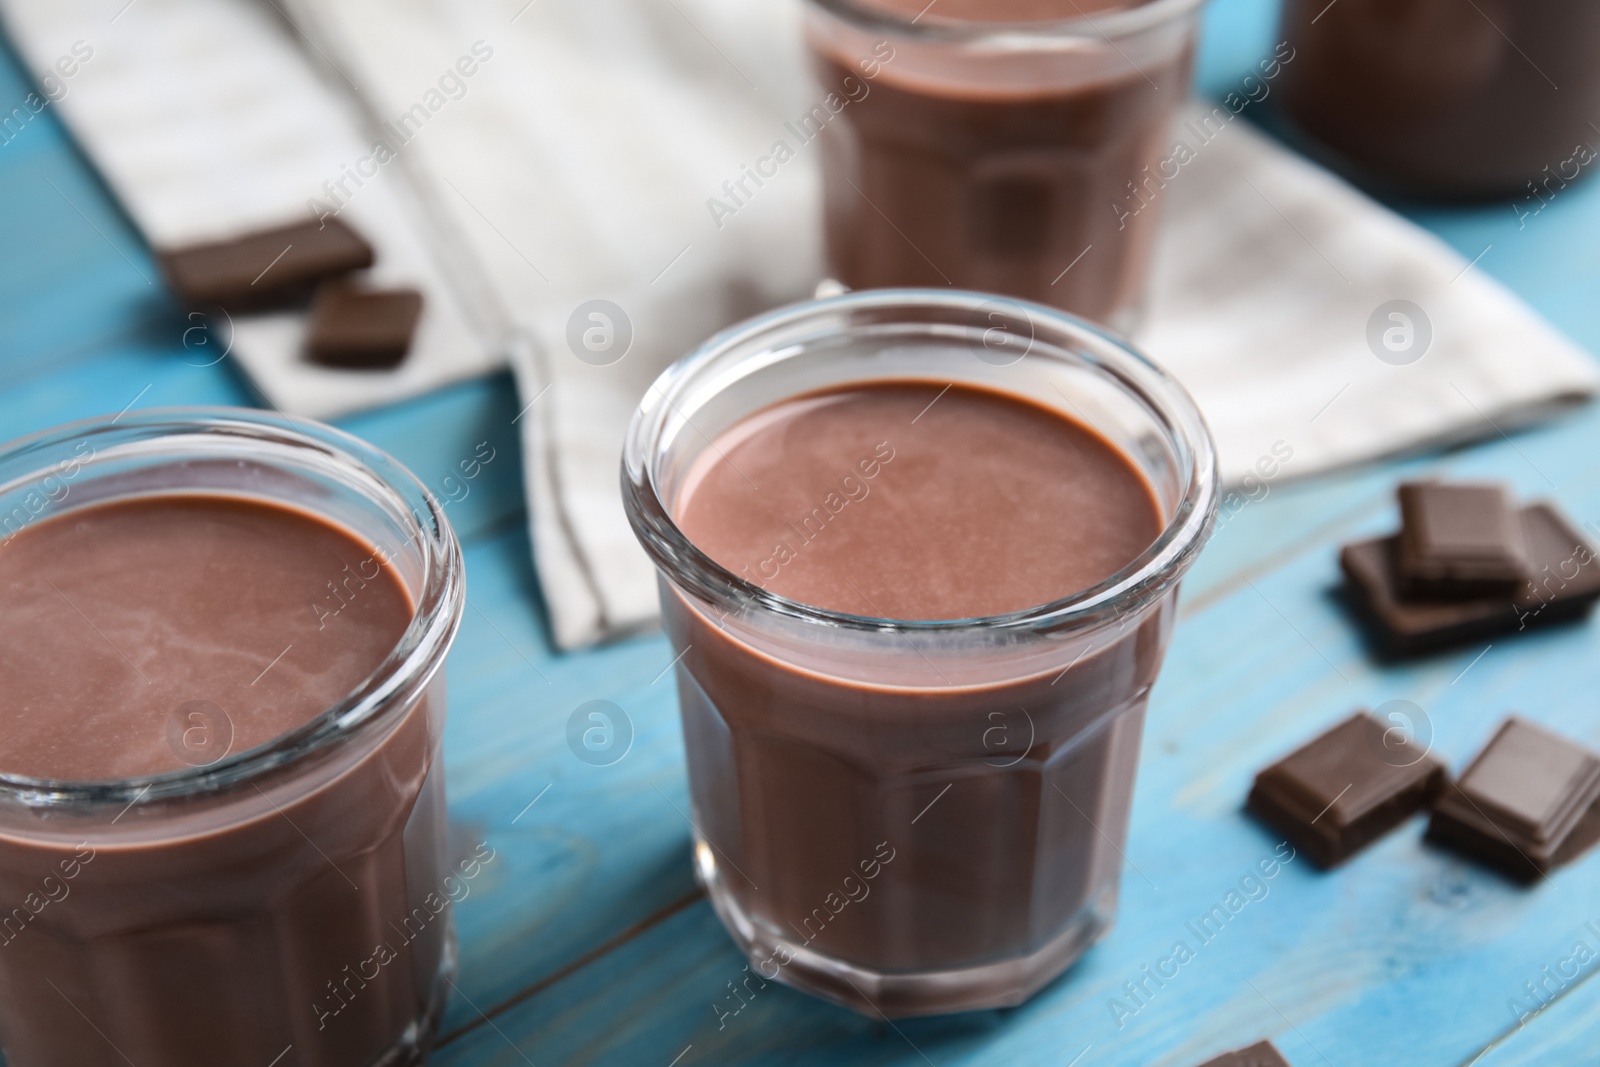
1340 792
366 329
1260 1054
1529 802
1563 583
264 268
1459 540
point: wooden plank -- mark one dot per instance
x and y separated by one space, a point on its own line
462 444
1567 1030
433 435
585 916
77 276
599 850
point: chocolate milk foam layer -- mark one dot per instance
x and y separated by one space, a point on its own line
999 10
117 616
917 500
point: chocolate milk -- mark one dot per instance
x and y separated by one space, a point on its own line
999 175
156 633
984 505
933 821
997 10
1452 98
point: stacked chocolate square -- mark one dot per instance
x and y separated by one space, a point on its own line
1528 803
1469 564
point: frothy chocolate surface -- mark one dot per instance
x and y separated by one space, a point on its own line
917 500
1001 10
122 621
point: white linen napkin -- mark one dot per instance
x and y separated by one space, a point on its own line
575 165
1274 287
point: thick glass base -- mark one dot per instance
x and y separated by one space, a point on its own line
876 994
416 1042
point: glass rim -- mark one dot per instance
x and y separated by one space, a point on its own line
1110 25
1149 575
415 658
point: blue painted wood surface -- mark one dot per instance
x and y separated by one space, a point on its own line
586 941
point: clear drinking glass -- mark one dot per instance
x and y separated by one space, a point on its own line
822 745
229 913
1016 157
1450 99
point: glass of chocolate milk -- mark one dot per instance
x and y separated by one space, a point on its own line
999 145
1449 98
221 702
919 555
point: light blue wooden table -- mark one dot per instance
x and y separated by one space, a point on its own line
587 941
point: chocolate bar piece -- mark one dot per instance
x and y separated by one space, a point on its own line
1340 792
1260 1054
1528 803
1459 540
1563 583
265 268
365 329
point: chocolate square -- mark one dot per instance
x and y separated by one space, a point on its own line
1343 790
364 329
1459 540
1563 584
1529 802
1260 1054
1533 781
264 268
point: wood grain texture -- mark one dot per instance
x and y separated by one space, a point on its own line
585 942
